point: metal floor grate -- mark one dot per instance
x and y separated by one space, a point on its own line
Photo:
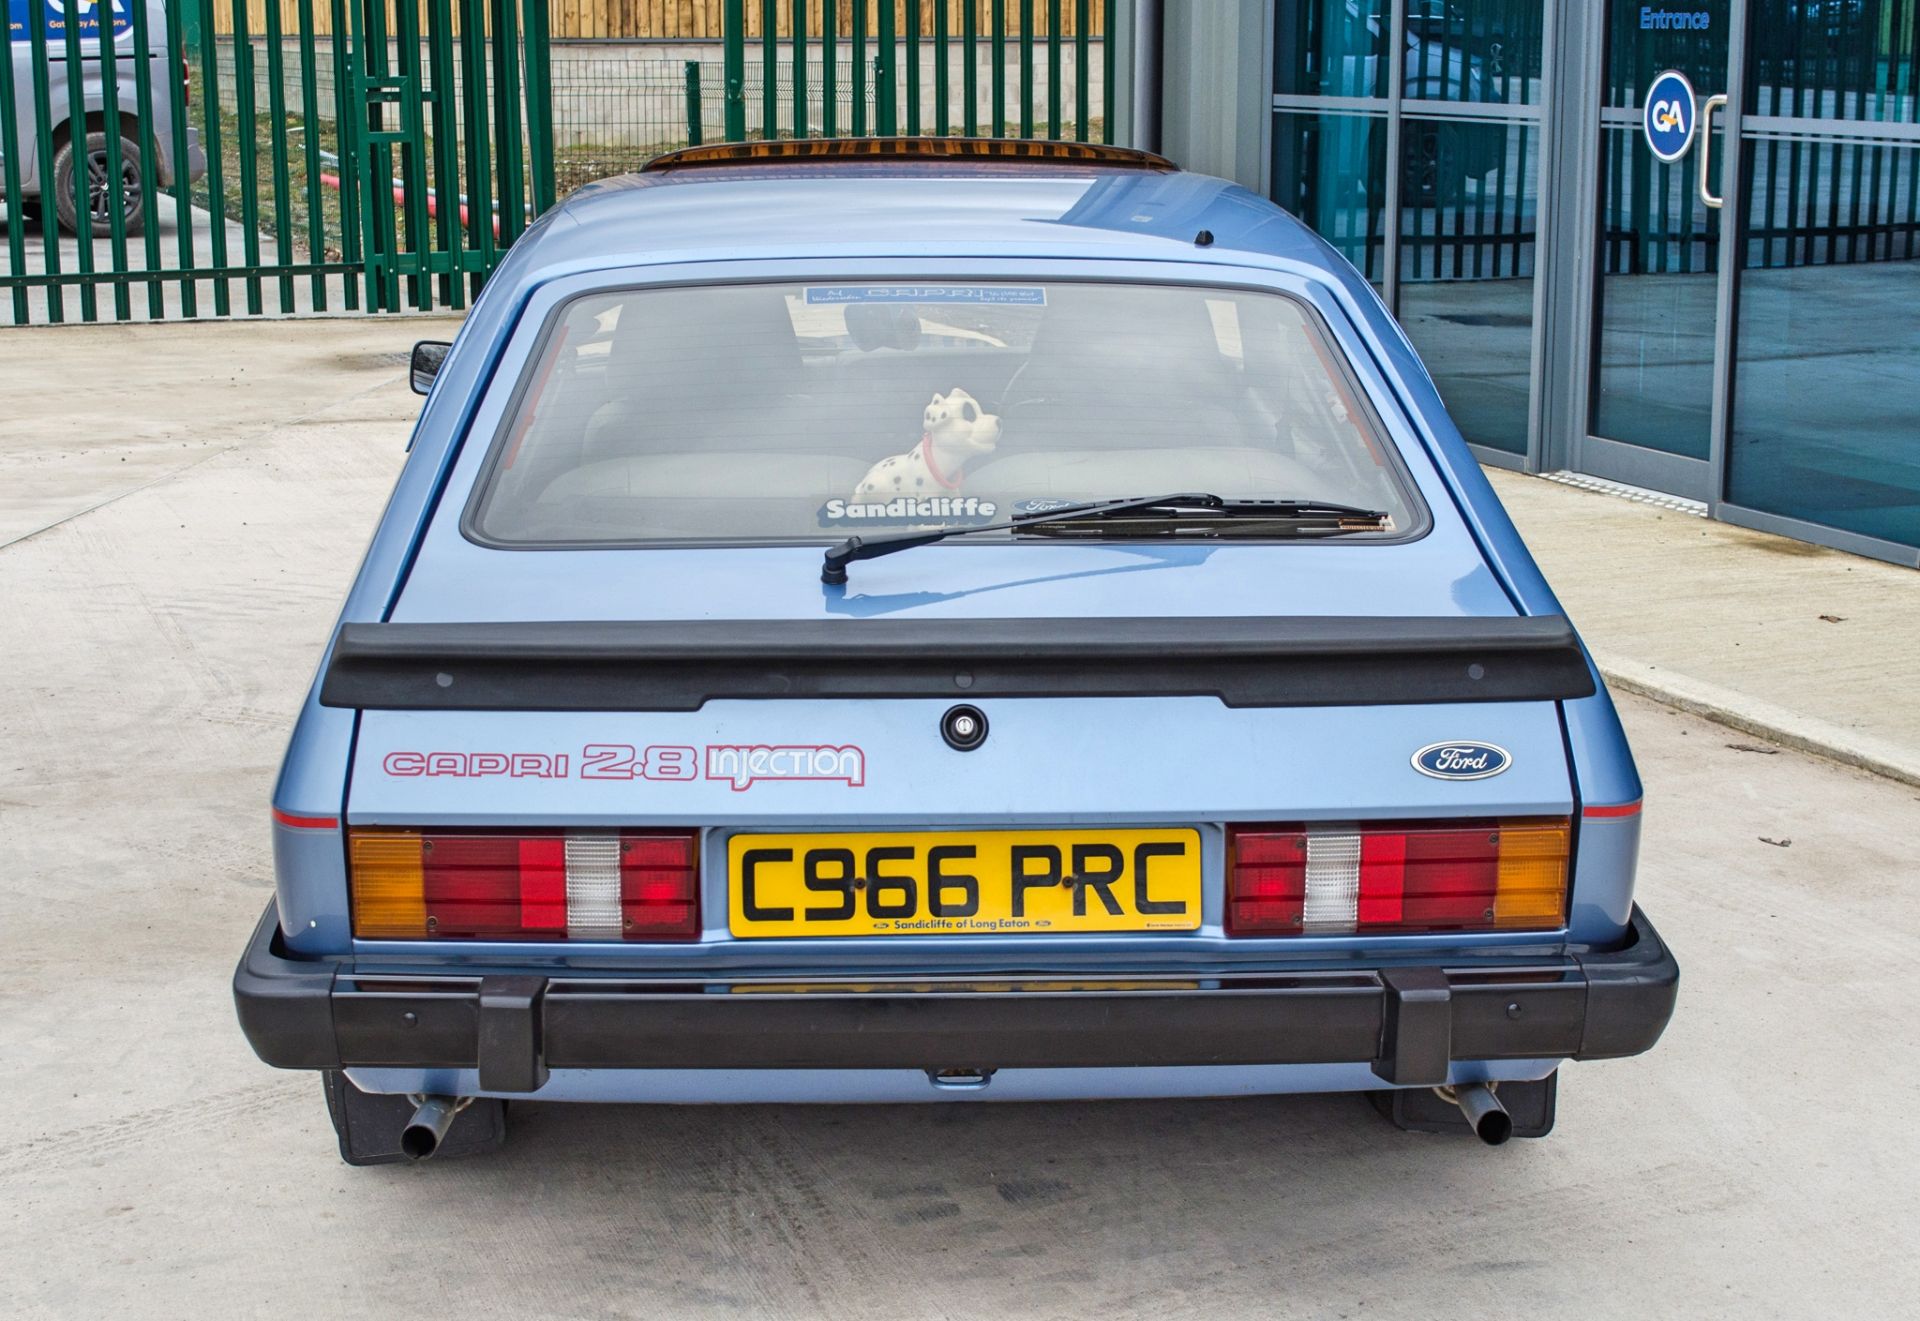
1638 494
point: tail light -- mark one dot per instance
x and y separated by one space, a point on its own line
186 79
1506 875
525 885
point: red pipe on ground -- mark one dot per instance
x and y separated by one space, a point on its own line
400 195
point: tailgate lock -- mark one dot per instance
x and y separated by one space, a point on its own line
964 728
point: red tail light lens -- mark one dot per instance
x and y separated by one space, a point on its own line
549 885
1267 881
657 897
1398 876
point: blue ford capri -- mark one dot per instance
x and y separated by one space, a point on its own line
943 620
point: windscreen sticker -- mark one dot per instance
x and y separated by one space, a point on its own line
997 295
740 765
908 511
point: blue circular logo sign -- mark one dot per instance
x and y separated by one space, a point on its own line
1461 759
1668 116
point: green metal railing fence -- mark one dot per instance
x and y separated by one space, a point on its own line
378 155
387 165
902 63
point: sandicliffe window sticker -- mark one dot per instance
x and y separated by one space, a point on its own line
907 511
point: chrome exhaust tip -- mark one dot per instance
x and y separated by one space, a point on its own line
428 1128
1489 1119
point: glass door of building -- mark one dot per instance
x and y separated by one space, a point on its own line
1763 355
1657 258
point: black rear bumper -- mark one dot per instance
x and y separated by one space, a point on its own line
1410 1023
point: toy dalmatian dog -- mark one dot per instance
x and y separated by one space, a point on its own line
956 431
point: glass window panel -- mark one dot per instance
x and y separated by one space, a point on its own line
790 413
1834 59
1656 301
1645 40
1484 51
1330 170
1827 358
1469 202
1330 47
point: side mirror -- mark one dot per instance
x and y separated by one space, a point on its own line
428 355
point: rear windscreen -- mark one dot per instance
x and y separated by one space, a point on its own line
797 412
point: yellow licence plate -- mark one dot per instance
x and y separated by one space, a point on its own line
964 882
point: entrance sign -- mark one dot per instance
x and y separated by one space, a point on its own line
1670 115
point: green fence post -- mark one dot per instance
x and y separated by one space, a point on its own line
444 102
998 38
539 95
282 175
733 70
942 80
912 57
506 115
43 152
797 51
415 191
143 95
769 69
480 187
109 47
247 138
693 104
886 102
149 174
214 133
82 210
310 157
1082 91
1107 92
376 197
349 167
1053 68
182 186
860 68
830 69
10 179
970 71
1026 68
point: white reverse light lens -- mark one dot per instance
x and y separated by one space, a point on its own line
593 887
1333 882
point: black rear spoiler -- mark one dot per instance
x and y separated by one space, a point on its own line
681 665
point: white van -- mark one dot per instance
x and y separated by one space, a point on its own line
55 175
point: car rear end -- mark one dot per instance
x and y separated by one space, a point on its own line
603 794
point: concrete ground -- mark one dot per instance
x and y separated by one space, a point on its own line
167 581
1813 646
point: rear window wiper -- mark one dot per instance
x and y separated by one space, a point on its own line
1158 514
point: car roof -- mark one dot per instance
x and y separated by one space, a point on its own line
885 202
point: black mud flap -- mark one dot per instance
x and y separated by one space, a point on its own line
1423 1110
369 1125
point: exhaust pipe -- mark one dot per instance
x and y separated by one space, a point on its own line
1490 1121
428 1128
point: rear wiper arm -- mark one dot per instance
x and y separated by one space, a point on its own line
1200 504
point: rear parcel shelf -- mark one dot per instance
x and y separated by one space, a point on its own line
679 665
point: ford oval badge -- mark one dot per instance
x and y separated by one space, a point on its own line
1461 760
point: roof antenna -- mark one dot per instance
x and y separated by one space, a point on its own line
1204 239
